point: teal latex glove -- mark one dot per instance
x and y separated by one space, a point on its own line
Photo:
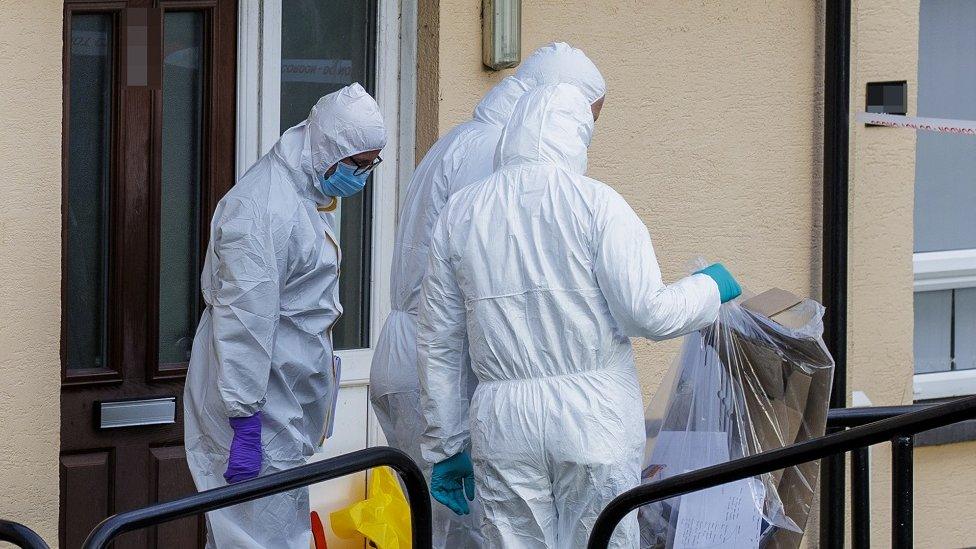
728 288
452 480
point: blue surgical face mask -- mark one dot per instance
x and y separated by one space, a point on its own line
343 182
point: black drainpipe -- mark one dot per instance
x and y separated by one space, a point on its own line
837 58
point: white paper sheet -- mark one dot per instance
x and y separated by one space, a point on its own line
724 516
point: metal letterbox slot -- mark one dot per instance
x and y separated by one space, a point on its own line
136 413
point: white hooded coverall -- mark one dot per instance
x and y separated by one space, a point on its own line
461 157
541 274
264 343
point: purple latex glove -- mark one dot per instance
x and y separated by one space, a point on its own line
244 461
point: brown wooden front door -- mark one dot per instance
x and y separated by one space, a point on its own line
148 149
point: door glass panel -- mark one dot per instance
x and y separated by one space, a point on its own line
179 203
325 46
88 186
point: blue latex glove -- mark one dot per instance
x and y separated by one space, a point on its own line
728 288
452 480
244 461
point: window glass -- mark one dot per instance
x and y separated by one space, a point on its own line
88 186
179 194
945 164
964 326
933 331
324 47
944 323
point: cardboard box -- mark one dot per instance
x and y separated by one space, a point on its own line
794 372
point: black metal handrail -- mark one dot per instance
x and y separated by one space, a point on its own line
896 428
413 479
902 491
838 418
20 535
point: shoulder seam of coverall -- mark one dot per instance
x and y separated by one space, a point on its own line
542 125
441 225
600 221
456 164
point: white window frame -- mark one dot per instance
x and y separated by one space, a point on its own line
258 128
946 270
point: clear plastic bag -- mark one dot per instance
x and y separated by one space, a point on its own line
744 385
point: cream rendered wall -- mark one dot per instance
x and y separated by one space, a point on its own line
884 46
30 262
944 488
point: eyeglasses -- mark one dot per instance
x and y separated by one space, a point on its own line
360 170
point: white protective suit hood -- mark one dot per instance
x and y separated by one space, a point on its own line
342 124
559 62
551 125
497 105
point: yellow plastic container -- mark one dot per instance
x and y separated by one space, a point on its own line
383 517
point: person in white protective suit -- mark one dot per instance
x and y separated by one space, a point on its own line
459 158
541 274
261 380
